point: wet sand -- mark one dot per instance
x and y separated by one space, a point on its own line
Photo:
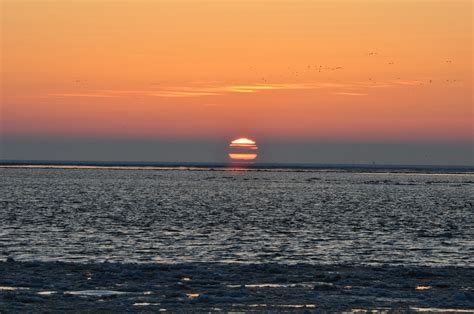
60 286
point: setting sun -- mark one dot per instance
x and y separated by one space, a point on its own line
243 149
243 141
243 157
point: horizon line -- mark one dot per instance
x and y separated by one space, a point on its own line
7 163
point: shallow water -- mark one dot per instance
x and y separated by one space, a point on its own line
230 287
288 217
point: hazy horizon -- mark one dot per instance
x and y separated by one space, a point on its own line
215 151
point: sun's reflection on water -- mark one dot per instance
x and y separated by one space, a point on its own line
421 287
440 310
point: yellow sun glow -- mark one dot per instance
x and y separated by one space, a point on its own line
243 149
242 156
243 140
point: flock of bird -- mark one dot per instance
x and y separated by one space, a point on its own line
290 73
319 68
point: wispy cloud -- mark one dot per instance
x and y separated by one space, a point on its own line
350 94
356 88
181 94
81 95
406 82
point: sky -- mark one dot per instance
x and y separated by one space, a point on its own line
171 80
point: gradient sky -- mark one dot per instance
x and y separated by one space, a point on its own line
280 72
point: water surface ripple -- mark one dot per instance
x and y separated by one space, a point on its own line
91 215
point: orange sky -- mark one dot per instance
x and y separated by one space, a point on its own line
318 70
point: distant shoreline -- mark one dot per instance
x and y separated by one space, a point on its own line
196 166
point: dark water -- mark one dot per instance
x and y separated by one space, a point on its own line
171 216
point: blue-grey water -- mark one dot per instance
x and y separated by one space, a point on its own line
175 216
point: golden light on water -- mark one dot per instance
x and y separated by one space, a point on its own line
192 295
421 287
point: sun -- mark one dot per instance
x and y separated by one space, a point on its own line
243 141
243 149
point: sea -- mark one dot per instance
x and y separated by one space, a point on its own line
236 214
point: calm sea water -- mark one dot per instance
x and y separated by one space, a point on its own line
236 216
